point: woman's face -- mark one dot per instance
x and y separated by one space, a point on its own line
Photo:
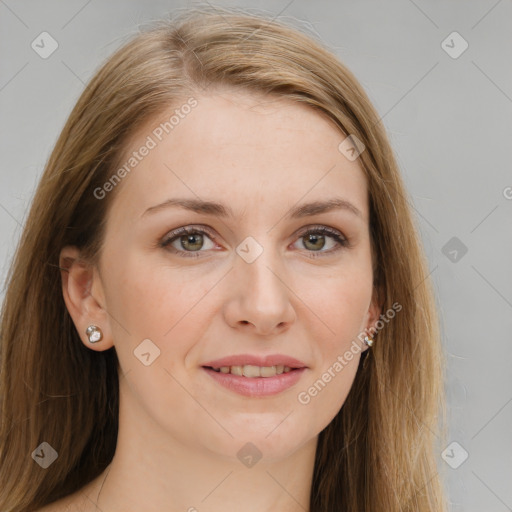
247 281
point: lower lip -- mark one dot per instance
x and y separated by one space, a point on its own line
256 386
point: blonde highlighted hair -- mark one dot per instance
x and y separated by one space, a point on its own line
379 452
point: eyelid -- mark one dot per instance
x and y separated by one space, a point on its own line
321 228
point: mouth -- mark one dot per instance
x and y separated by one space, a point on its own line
255 381
251 371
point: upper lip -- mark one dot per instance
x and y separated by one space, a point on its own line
269 360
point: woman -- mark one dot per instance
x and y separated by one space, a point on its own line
220 300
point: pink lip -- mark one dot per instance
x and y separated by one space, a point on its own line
243 359
256 386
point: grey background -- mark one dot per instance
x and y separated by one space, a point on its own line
449 120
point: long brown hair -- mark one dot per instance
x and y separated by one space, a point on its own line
379 452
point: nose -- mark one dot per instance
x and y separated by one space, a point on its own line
259 296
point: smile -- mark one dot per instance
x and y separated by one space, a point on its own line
252 371
255 381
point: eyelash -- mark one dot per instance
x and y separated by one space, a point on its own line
166 242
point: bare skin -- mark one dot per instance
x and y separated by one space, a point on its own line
179 430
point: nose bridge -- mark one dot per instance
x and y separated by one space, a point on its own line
259 294
256 266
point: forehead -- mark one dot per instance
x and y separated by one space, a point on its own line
245 148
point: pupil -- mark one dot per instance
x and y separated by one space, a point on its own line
315 238
190 239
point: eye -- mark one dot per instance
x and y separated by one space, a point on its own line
188 241
314 238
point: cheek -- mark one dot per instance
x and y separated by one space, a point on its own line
339 302
166 305
152 299
337 358
322 397
161 305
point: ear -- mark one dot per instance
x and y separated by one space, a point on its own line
83 294
373 315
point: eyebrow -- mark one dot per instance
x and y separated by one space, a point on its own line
224 211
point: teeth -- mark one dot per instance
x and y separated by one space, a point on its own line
264 371
236 370
251 371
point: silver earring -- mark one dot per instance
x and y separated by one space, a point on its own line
94 333
368 341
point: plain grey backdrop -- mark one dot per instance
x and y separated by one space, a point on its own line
440 75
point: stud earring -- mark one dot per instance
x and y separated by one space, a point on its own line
94 333
368 341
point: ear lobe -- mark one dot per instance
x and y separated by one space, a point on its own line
78 278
